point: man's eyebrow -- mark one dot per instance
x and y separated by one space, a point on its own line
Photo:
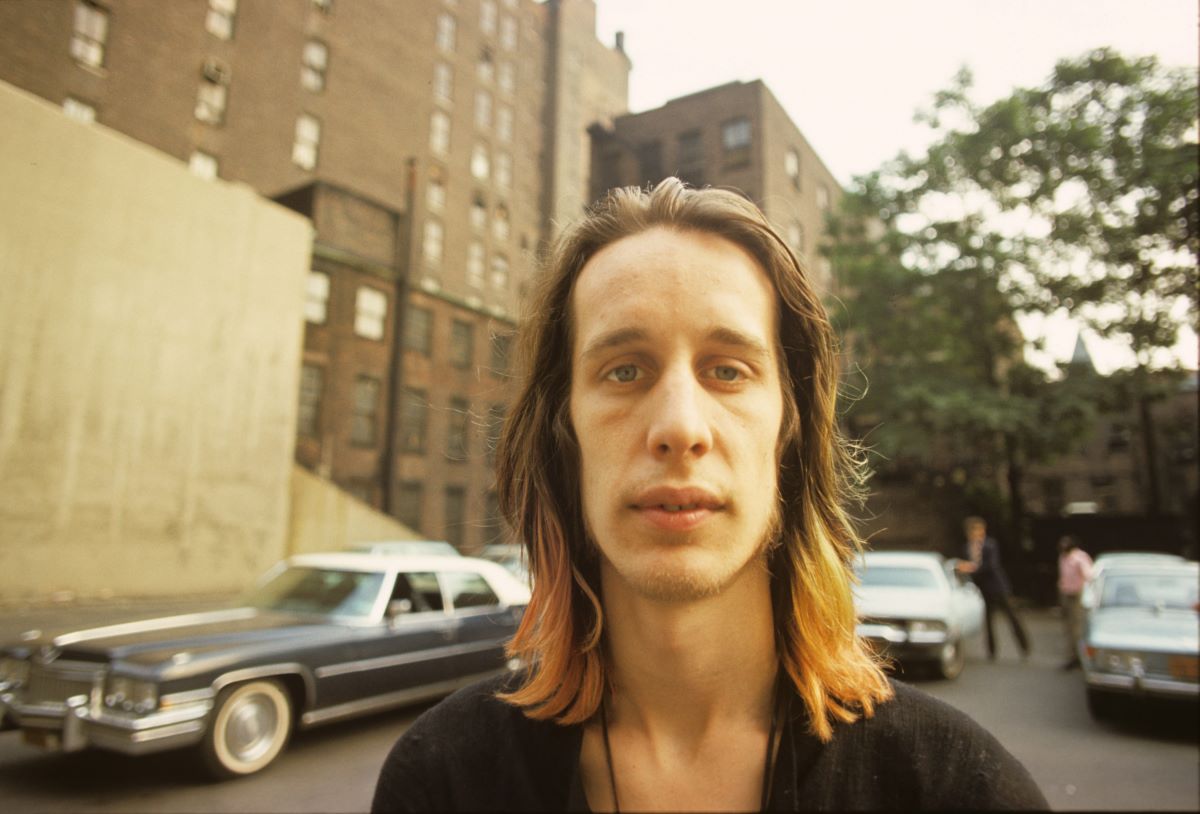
721 335
612 339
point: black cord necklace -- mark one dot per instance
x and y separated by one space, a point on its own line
768 762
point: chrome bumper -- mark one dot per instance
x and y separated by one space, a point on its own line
1143 685
74 725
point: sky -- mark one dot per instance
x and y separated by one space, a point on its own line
851 73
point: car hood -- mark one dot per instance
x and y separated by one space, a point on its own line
902 603
191 638
1145 629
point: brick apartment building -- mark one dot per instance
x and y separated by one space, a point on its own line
429 141
734 135
432 143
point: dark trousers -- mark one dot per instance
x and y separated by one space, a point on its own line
999 602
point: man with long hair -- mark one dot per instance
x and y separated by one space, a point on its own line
673 466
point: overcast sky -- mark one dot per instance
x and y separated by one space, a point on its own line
852 72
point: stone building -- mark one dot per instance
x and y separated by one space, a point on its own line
430 142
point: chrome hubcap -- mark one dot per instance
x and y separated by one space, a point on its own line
251 728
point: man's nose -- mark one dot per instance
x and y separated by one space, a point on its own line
678 424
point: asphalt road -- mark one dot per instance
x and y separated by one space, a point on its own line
1147 761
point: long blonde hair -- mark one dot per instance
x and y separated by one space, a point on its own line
538 476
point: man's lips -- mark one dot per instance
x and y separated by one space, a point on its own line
677 509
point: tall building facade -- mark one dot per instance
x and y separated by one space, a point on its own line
418 137
734 135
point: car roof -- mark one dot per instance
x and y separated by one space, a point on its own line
511 590
918 558
1159 556
1152 567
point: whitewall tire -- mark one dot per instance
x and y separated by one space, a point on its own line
249 727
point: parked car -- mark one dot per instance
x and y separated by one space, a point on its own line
511 556
917 609
322 638
437 548
1108 559
1141 634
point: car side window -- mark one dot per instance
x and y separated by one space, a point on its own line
469 590
421 589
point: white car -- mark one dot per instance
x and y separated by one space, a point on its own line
1142 634
916 608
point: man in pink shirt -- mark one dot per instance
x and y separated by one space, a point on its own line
1074 570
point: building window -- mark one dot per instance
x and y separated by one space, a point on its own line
446 31
500 226
79 111
366 411
435 190
219 21
495 425
308 140
316 297
500 272
791 166
203 165
414 420
439 132
308 416
483 109
501 345
213 94
456 433
486 69
315 61
504 123
650 163
408 503
431 246
475 264
795 236
691 149
493 523
456 512
487 17
823 197
480 165
91 33
735 142
462 343
508 33
370 312
478 214
418 329
443 83
503 170
506 77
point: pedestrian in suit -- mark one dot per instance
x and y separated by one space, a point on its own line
982 562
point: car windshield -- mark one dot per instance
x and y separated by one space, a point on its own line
322 591
1149 590
893 576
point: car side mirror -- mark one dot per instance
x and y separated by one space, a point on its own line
399 606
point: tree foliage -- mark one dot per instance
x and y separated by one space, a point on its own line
1078 195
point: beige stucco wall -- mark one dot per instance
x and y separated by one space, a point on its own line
324 518
150 336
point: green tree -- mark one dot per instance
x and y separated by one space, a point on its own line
1079 195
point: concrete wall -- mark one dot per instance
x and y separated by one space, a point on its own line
324 518
150 339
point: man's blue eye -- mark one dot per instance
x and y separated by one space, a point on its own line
624 373
726 373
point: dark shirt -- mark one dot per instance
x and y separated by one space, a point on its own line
990 576
473 752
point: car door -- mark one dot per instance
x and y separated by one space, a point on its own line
405 651
484 625
966 601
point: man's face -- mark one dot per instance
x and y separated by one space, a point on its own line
976 532
677 405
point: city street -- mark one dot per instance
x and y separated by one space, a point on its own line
1034 708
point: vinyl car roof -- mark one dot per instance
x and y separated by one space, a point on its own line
509 588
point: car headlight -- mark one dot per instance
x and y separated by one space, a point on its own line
14 672
926 630
130 694
1117 661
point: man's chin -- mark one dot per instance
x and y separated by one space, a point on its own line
684 577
